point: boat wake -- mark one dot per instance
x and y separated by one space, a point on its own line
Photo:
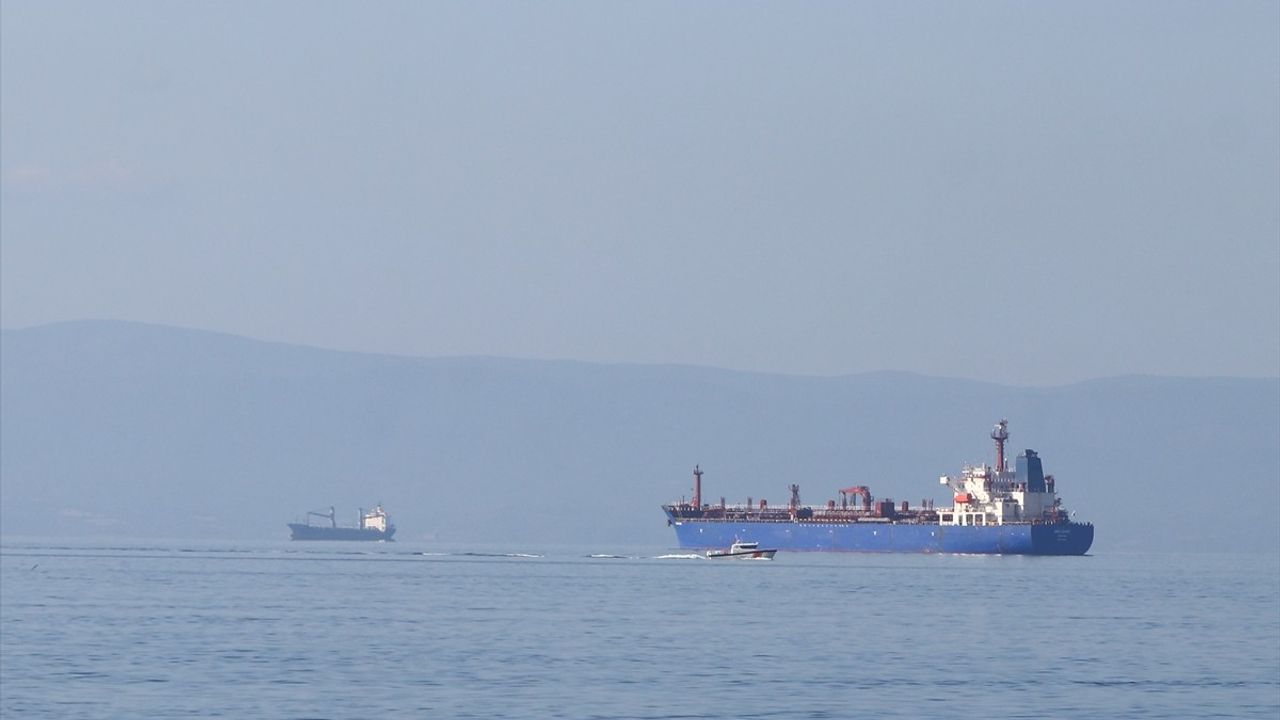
481 555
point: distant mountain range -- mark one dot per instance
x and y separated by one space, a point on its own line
131 430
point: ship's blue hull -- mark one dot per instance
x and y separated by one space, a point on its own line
317 532
1056 539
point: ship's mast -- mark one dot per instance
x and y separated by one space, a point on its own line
697 487
1000 434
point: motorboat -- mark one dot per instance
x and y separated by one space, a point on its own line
743 551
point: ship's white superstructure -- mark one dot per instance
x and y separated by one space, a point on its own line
375 519
986 495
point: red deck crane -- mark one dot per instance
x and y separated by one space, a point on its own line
862 490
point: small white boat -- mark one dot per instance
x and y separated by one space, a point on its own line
743 551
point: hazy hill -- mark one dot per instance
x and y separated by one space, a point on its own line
136 430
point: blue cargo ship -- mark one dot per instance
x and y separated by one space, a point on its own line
374 525
996 511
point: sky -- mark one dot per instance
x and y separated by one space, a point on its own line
1026 193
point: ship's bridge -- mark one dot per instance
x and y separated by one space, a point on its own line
986 495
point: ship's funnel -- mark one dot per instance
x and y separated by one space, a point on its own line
1030 472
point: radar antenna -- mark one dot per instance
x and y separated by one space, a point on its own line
1000 434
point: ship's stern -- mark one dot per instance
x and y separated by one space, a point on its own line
1069 538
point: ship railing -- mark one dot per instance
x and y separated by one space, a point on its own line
866 519
786 518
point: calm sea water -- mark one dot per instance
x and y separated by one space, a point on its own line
171 630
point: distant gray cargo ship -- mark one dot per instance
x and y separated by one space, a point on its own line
374 525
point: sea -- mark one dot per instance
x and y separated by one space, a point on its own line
113 629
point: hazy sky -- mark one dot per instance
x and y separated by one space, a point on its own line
1023 192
